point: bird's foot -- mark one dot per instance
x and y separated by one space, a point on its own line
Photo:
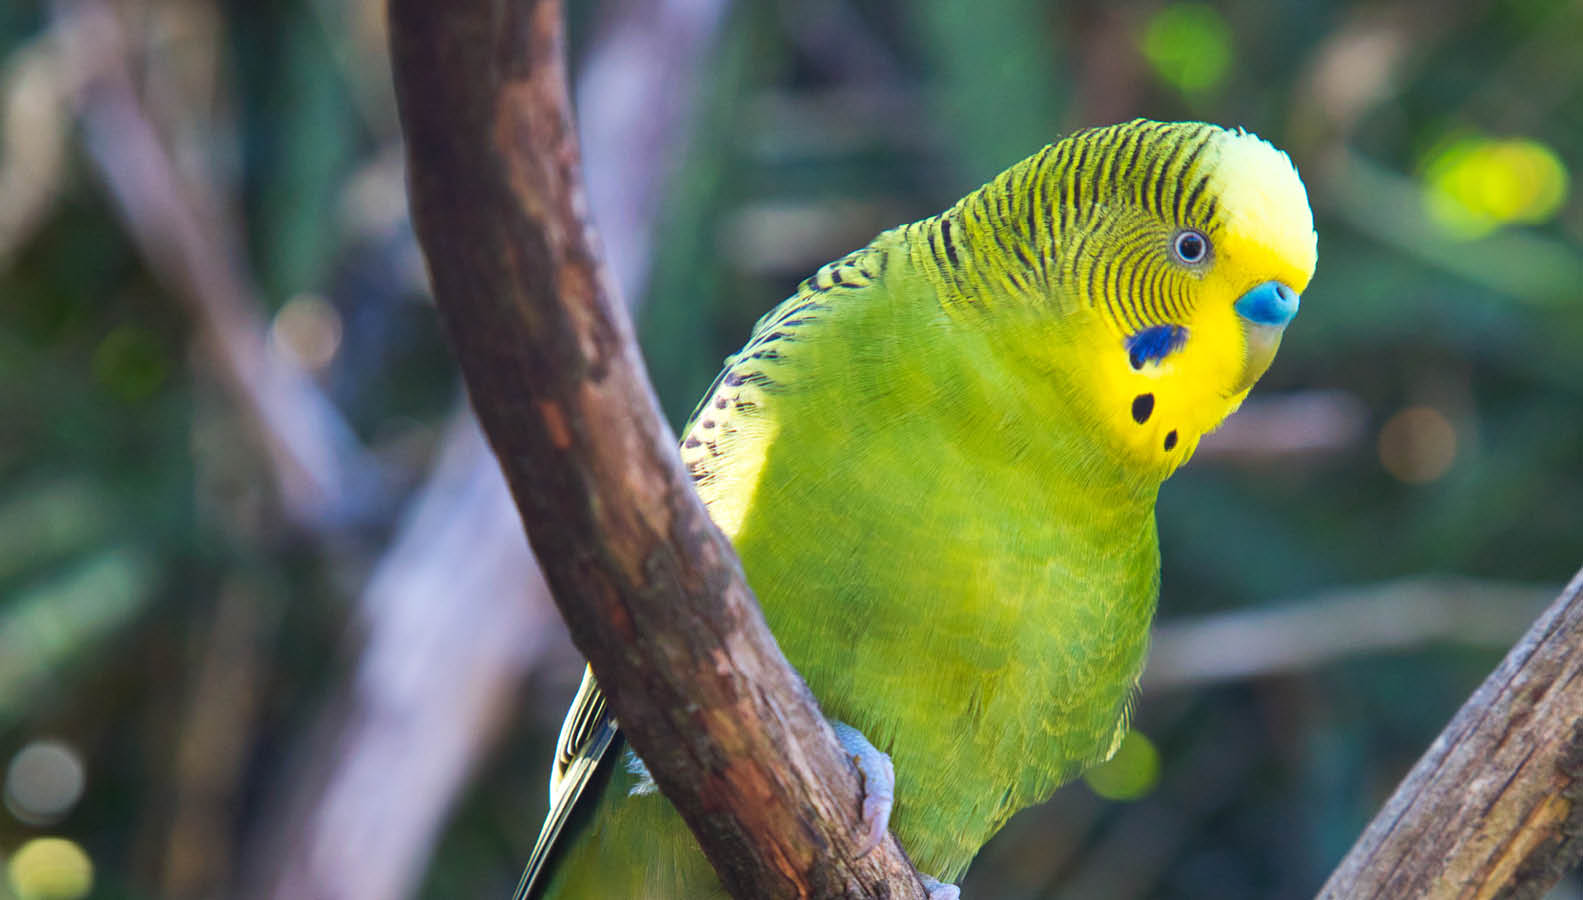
939 890
879 785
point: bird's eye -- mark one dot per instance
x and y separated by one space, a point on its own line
1190 246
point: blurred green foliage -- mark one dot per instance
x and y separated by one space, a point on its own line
1189 47
1439 143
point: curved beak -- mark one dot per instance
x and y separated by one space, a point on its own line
1265 311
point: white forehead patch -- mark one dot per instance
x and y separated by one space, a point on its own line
1262 196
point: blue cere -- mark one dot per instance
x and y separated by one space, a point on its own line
1271 303
1155 343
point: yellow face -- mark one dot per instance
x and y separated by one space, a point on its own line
1188 311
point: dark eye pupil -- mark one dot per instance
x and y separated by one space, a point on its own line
1190 247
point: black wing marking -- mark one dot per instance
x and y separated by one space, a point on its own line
752 372
587 735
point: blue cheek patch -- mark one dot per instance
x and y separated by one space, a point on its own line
1154 343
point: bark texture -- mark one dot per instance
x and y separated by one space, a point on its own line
1494 809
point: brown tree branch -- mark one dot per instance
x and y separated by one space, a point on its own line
650 589
1495 807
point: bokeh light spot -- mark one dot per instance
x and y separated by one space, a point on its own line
131 362
1189 46
1418 444
43 782
1474 185
50 868
307 329
1131 773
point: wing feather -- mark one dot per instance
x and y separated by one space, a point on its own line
587 735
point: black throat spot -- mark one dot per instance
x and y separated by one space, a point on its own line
1142 408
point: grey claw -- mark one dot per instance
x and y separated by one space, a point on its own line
879 784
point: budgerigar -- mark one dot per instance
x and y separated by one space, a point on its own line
939 460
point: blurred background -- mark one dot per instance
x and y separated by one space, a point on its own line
268 626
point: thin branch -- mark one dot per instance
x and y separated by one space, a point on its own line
635 97
1495 807
33 120
649 587
446 647
220 722
1386 207
1280 427
1304 635
321 471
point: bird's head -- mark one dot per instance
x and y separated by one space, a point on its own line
1184 249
